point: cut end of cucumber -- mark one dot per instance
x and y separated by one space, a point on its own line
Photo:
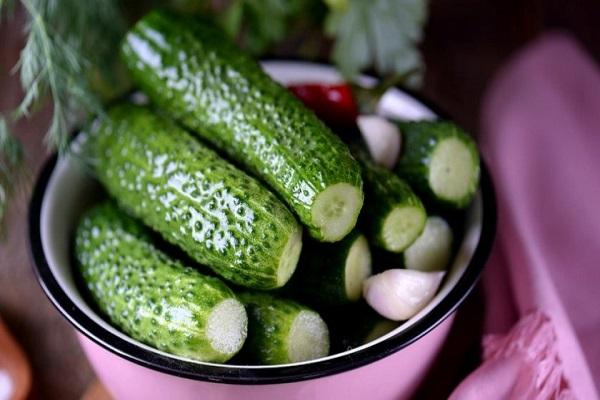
289 257
357 268
308 338
453 171
432 250
402 227
336 210
379 329
227 327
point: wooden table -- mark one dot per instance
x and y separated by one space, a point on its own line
465 43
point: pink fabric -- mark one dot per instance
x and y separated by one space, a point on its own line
541 137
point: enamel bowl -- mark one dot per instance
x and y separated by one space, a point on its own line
390 367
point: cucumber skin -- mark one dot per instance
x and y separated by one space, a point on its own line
319 279
195 73
350 325
384 191
137 286
270 319
419 139
218 215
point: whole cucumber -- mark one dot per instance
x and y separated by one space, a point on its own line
394 216
217 214
332 273
281 331
440 160
152 297
195 73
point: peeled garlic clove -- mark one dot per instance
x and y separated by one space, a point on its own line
382 138
398 294
433 248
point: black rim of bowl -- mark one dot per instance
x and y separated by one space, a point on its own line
234 374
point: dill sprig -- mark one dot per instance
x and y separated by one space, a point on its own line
67 43
66 40
9 158
71 49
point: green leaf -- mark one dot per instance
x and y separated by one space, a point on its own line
383 34
231 19
261 23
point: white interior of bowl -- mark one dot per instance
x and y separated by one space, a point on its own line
71 191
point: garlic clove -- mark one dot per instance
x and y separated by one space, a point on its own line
399 294
382 137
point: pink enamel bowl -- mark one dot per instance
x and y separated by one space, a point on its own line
390 367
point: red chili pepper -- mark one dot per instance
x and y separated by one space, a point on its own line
333 103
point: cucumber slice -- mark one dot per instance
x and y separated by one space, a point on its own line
394 216
281 331
151 297
357 268
223 326
433 249
335 209
401 226
217 214
380 328
440 160
194 72
308 338
355 324
332 273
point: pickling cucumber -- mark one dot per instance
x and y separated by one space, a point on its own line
440 160
394 216
354 325
432 249
217 214
281 331
332 273
151 297
196 74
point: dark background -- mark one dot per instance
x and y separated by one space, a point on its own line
466 42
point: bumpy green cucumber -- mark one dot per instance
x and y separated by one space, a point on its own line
354 325
332 273
281 331
193 72
394 215
440 160
216 213
152 297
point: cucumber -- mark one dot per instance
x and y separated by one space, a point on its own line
440 160
354 325
332 273
195 73
379 328
394 216
433 249
217 214
151 297
281 331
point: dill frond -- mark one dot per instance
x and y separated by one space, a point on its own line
66 39
67 44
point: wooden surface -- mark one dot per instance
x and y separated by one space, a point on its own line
466 41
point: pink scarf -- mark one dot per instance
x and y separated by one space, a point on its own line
541 137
